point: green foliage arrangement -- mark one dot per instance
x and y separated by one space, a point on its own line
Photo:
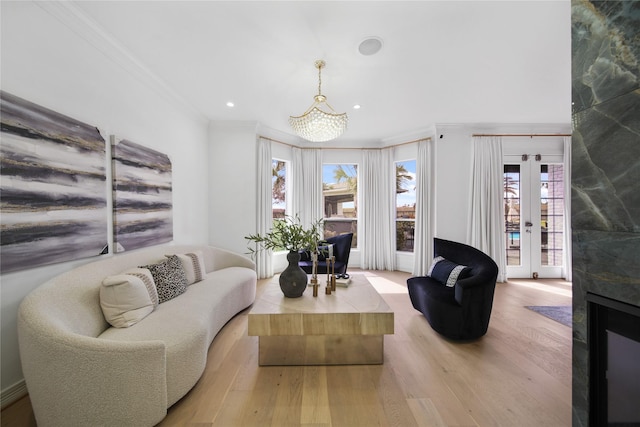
287 234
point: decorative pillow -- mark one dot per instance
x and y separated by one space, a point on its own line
169 277
435 262
325 252
146 277
193 265
197 261
447 272
124 300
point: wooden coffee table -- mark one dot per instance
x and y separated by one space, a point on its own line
344 328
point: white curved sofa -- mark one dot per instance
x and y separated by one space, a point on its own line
81 371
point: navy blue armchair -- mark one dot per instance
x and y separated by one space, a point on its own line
341 250
460 311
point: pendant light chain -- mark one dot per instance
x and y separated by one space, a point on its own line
319 78
319 65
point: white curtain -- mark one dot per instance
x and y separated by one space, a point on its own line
306 187
264 267
425 209
377 181
567 272
486 225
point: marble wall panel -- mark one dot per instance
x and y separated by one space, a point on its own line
605 50
605 168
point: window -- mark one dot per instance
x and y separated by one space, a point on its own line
340 196
405 205
278 188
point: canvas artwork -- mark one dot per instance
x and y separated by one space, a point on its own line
53 204
142 198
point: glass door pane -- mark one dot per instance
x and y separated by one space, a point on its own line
512 213
551 214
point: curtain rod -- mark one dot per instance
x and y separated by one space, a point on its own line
530 135
344 148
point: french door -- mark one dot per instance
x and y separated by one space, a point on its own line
534 216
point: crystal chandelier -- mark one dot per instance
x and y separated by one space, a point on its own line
315 124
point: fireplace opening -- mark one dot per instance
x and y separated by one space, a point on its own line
614 362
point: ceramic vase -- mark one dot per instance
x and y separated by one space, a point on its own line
293 280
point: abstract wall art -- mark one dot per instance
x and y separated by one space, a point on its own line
53 204
142 196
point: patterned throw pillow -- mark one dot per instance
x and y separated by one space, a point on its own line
169 277
447 272
193 265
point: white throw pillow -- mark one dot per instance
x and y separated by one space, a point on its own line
124 300
147 279
193 264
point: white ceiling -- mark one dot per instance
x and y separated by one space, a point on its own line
476 62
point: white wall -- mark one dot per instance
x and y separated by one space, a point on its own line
453 160
232 167
59 69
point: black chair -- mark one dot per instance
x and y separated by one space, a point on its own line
460 311
341 250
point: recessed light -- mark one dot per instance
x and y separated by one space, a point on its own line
370 46
356 107
230 104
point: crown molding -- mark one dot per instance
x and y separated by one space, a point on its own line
280 136
528 128
89 30
422 133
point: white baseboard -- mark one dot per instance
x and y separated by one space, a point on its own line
13 393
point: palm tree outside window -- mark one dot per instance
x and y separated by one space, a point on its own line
278 189
340 199
405 205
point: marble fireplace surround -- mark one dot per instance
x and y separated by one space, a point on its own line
605 168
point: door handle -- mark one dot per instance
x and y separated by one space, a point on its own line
528 224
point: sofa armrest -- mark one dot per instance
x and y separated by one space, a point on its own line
68 373
221 258
468 285
470 282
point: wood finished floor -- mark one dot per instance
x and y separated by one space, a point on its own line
519 374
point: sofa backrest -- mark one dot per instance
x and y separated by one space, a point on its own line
481 264
70 302
341 246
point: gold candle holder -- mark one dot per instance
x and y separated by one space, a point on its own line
333 273
327 289
329 272
315 289
314 267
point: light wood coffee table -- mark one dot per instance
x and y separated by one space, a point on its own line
344 328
